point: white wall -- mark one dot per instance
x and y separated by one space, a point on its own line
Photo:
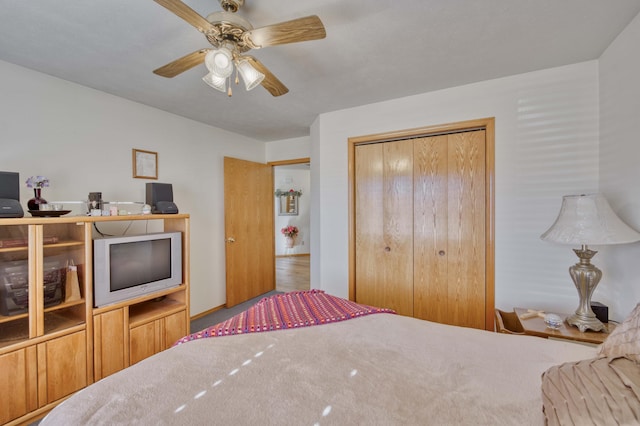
619 170
286 178
316 265
288 149
81 139
546 146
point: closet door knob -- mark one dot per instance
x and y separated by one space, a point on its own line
441 252
230 240
387 249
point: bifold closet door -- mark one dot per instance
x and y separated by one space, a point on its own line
420 211
449 229
430 228
384 225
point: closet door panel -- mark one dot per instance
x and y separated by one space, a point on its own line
466 248
430 280
384 230
371 288
398 225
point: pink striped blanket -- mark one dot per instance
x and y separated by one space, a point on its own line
288 310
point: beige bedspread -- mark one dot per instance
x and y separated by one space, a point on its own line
380 369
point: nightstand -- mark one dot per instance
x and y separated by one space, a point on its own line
536 327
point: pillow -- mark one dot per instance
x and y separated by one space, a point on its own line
625 338
599 391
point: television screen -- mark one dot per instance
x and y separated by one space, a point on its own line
139 262
131 266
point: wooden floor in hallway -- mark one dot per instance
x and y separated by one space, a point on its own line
292 273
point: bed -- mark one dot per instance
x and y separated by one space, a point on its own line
371 367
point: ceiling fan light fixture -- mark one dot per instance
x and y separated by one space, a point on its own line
251 76
219 62
231 36
218 83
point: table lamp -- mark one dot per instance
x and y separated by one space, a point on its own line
587 220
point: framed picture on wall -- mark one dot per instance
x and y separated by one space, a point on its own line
145 164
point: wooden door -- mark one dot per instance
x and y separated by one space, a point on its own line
440 188
175 327
62 365
466 229
18 383
144 341
384 217
249 233
110 348
430 275
449 229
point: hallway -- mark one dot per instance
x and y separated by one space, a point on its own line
292 273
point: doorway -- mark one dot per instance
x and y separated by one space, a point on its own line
291 185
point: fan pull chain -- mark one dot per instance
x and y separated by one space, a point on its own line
237 80
229 92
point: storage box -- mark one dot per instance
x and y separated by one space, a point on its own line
14 285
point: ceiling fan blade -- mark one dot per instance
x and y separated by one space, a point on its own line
270 82
301 29
188 14
181 65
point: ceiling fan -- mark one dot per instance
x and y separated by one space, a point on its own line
231 37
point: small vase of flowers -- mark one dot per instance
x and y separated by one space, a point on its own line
289 233
37 183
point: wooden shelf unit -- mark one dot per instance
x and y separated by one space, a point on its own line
36 371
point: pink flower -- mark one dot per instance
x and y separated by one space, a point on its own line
289 231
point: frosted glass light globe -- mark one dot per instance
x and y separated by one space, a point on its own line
219 62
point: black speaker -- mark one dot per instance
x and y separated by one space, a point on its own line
10 185
160 197
10 195
10 208
601 311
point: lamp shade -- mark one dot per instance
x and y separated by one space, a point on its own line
250 75
219 62
588 220
218 83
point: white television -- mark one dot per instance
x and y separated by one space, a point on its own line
132 266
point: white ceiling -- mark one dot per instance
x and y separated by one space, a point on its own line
375 50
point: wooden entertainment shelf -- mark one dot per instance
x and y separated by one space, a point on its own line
51 348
